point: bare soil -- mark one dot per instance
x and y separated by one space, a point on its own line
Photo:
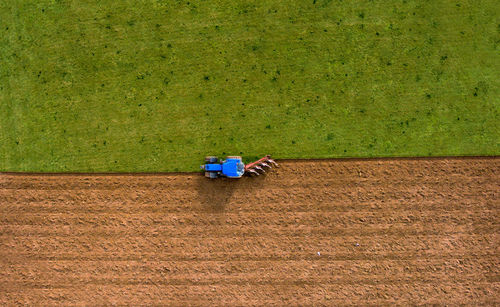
345 232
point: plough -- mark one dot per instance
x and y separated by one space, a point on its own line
260 166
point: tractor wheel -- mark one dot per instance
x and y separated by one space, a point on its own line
234 157
211 159
213 175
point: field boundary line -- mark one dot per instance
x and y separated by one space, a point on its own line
353 159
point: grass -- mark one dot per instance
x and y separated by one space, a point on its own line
157 85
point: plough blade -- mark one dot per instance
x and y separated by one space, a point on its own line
271 161
256 167
252 172
265 165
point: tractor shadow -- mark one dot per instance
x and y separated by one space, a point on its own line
215 194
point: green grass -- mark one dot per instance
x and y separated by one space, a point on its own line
157 85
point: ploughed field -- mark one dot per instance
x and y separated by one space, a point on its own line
311 232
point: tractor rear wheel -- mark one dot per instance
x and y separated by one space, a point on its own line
211 159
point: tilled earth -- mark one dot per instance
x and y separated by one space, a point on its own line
345 232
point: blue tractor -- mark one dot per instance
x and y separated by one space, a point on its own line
233 167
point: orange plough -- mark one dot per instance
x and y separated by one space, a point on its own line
260 166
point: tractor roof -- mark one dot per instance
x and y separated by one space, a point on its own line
233 168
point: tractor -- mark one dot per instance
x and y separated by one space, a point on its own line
233 167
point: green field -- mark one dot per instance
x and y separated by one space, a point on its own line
157 85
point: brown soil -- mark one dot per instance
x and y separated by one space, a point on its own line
346 232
